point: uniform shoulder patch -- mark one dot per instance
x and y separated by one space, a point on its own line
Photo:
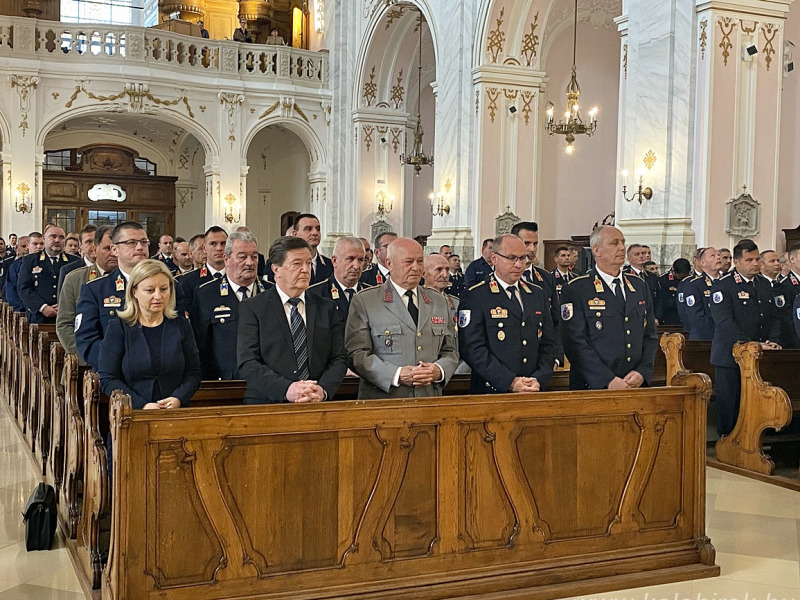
566 311
689 301
717 297
207 283
477 285
725 276
464 318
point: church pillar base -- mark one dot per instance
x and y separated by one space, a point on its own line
669 239
458 238
329 241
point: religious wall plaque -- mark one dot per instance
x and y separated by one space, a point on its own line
743 216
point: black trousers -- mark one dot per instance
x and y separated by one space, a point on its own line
727 389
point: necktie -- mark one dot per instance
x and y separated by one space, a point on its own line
217 275
299 339
412 308
512 291
349 293
528 275
618 290
244 291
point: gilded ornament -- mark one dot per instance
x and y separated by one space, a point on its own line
726 27
770 31
649 159
497 38
370 88
530 42
703 38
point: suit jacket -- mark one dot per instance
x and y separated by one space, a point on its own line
125 364
215 320
38 282
602 338
331 290
501 340
10 293
381 336
68 304
66 270
265 349
742 312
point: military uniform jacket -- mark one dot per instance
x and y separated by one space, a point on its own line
546 281
796 315
215 319
10 293
560 280
167 260
667 300
331 290
193 280
5 264
602 338
697 308
649 278
477 271
742 312
38 282
457 285
381 336
500 340
99 301
68 302
373 276
782 298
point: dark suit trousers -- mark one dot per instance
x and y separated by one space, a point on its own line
727 388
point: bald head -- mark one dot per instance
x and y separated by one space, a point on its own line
404 259
437 272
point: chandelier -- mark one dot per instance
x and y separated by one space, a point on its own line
418 158
572 124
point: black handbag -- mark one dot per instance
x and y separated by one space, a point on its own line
40 518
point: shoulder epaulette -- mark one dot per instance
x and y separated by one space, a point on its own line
319 283
578 278
205 283
477 285
725 276
93 280
368 288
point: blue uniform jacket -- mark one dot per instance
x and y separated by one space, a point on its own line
681 297
38 282
477 271
603 339
457 287
796 315
500 341
782 298
331 290
697 308
742 313
124 362
667 300
192 280
10 288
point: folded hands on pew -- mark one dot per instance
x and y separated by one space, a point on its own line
522 385
770 346
420 375
633 379
171 402
305 391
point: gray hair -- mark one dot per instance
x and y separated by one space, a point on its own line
240 236
498 241
349 240
597 235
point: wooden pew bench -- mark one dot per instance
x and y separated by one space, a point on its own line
430 498
770 396
685 356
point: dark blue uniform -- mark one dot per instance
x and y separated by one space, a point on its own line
477 271
602 338
457 286
38 283
167 260
372 276
5 265
500 341
742 312
796 315
66 270
546 281
215 318
10 293
667 300
782 298
193 280
560 280
651 279
331 290
681 297
697 308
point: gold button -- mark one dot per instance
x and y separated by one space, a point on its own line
523 323
386 332
629 359
524 342
628 332
419 347
222 320
598 314
626 319
500 325
419 334
111 312
524 360
629 346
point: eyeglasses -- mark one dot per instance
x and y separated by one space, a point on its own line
515 259
133 243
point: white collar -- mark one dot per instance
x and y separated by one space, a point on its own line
505 285
402 291
384 271
213 271
236 287
608 278
285 297
343 286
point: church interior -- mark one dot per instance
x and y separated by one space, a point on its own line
445 121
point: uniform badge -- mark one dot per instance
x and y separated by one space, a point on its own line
708 281
93 274
498 313
388 342
501 335
438 320
673 289
630 285
780 301
744 296
717 297
680 296
597 304
737 278
204 271
690 301
260 286
78 321
379 279
463 317
112 302
566 311
539 334
598 285
598 325
525 287
538 275
223 288
558 288
120 283
798 314
222 308
494 287
334 292
36 270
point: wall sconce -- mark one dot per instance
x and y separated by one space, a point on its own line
438 207
643 193
383 208
230 202
22 198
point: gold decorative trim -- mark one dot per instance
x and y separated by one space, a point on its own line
231 101
368 131
527 99
746 29
477 102
492 94
769 49
703 38
25 86
300 112
530 42
625 60
510 94
393 15
136 93
396 131
497 38
649 159
398 91
270 110
370 88
725 44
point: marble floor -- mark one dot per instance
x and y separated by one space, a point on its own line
754 526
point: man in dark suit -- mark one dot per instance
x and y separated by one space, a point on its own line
505 330
88 256
667 296
214 242
741 305
378 274
307 227
290 343
562 274
457 287
609 329
480 268
165 243
348 258
215 309
637 256
38 277
10 294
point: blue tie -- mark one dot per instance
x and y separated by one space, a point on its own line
299 339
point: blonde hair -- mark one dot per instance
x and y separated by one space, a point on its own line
145 269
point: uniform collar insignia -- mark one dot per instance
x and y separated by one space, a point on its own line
120 283
223 286
495 289
41 256
671 277
598 284
204 271
630 285
260 286
524 286
736 277
379 277
388 292
334 291
425 298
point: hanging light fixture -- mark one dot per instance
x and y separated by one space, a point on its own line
572 124
418 158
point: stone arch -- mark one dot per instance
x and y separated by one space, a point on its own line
317 152
5 131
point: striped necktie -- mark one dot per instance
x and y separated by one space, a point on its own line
300 341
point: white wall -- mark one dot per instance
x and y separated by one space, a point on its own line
789 163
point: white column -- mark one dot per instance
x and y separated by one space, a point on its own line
24 163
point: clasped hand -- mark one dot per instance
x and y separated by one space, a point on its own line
632 380
305 391
171 402
420 375
521 385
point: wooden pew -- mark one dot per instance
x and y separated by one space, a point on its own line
71 507
763 405
55 456
685 356
39 417
22 374
424 499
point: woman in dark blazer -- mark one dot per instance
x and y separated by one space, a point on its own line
148 351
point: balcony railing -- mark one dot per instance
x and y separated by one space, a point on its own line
136 45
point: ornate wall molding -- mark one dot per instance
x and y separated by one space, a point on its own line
497 38
703 38
769 30
138 95
398 91
370 88
231 101
530 42
726 27
25 86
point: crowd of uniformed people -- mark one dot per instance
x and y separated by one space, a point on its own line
292 323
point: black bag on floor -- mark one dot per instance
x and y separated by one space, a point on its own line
40 518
